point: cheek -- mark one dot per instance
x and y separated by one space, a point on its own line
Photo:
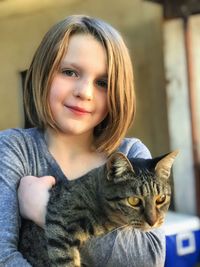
57 95
103 105
53 97
56 99
164 208
104 111
53 92
59 88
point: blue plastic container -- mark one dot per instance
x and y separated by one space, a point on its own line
182 240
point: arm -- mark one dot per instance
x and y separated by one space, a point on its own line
31 207
12 168
128 248
33 195
135 248
9 225
14 164
133 147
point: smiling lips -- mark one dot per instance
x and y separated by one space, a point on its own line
77 110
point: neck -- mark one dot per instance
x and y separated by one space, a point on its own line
73 144
75 155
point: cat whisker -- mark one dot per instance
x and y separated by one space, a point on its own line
160 222
119 228
136 224
124 227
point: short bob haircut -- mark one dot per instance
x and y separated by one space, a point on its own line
120 95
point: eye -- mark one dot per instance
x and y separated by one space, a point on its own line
102 83
134 201
69 73
161 199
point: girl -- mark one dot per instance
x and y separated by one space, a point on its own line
79 96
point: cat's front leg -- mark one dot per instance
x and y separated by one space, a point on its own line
69 259
62 247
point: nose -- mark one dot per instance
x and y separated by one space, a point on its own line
84 89
151 217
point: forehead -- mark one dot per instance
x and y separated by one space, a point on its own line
87 52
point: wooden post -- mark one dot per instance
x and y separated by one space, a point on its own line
179 118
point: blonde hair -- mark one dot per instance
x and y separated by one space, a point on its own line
120 97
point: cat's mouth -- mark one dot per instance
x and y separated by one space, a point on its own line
144 226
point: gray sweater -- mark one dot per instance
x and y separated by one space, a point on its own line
24 152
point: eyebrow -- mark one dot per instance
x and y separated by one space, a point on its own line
71 64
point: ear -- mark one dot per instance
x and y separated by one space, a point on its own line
163 167
118 166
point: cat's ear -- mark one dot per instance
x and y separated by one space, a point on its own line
163 167
118 166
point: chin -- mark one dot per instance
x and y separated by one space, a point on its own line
72 131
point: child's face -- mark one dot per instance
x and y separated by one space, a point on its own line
78 94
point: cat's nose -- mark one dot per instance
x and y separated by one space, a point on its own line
151 221
151 218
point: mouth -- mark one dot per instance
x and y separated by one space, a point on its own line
141 226
78 110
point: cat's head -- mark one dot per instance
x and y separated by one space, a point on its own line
138 191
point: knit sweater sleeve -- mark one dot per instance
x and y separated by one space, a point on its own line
12 168
130 247
9 224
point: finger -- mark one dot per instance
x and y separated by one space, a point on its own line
48 180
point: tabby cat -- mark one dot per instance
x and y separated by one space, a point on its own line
120 193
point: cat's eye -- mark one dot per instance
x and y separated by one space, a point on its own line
161 199
134 201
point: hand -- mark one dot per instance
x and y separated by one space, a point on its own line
33 195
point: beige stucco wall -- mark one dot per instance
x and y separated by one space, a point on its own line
140 23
